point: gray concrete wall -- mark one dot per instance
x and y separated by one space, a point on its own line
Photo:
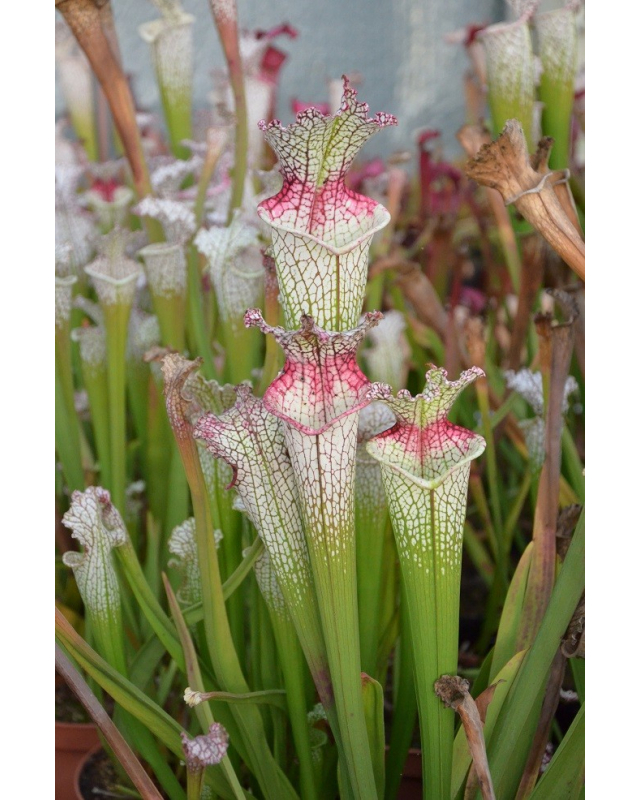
396 45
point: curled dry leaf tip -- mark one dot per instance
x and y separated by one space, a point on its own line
505 165
454 693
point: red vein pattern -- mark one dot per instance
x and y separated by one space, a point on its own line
251 440
321 229
425 464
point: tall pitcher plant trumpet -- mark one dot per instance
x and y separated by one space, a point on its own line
301 439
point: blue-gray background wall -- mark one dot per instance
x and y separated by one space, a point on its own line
396 45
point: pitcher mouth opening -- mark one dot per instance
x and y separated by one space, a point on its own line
379 219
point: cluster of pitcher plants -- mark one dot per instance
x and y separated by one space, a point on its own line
305 410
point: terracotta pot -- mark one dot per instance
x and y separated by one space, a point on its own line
73 741
82 763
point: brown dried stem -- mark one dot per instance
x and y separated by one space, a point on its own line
396 183
418 290
543 730
85 18
577 292
454 693
556 346
504 165
533 258
225 17
472 138
540 163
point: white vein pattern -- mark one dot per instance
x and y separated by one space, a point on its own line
171 40
177 218
387 357
321 229
165 268
63 259
425 466
269 586
318 395
425 463
208 396
144 333
235 267
168 176
114 275
75 228
182 544
110 213
370 496
93 346
97 525
64 299
511 66
528 385
207 749
76 78
557 43
251 442
224 11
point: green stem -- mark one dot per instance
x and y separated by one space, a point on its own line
159 442
336 587
214 150
243 568
405 708
196 314
433 611
478 554
116 318
170 310
226 519
508 240
95 382
68 453
516 510
108 630
573 463
293 671
178 492
194 676
177 113
194 783
67 423
480 499
371 522
148 601
242 350
152 558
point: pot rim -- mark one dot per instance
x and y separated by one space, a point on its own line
81 765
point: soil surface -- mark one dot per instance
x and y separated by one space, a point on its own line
98 773
68 707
